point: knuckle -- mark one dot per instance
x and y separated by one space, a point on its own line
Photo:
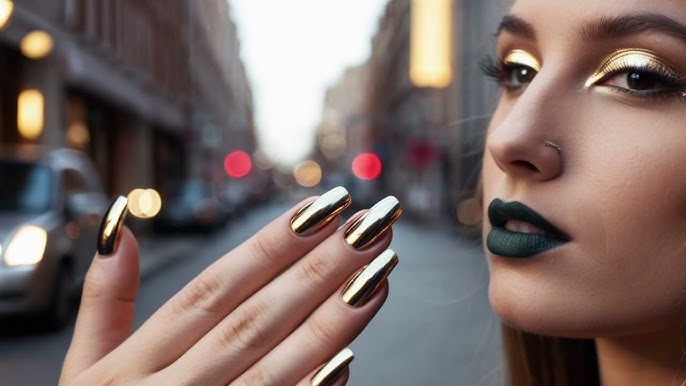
247 330
324 330
201 294
317 270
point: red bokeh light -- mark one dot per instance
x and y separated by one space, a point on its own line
237 164
367 166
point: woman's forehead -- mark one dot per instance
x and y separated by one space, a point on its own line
575 11
592 20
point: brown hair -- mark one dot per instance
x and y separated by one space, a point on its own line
536 360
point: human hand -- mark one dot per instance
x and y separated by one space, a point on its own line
269 312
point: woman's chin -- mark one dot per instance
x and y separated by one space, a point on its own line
541 308
536 315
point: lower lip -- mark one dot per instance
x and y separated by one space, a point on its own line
503 242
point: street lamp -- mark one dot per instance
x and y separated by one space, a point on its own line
430 43
30 113
6 9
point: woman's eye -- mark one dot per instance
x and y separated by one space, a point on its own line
518 76
637 73
514 72
639 80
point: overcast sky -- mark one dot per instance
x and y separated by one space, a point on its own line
293 50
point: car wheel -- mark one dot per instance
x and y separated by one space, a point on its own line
61 306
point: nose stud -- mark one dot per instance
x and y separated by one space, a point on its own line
553 145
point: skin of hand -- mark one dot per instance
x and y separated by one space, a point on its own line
269 312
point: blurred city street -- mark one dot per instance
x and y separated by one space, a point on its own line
435 329
205 119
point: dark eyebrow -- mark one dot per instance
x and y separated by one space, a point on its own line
517 26
605 27
610 27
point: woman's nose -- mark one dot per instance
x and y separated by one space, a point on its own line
536 159
524 144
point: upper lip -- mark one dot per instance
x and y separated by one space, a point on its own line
500 212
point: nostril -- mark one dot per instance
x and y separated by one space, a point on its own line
525 164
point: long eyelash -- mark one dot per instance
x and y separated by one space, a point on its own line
493 69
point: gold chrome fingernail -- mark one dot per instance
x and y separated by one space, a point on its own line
366 229
333 369
363 284
321 211
110 228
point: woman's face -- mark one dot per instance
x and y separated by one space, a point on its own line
590 136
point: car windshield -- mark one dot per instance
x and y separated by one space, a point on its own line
26 187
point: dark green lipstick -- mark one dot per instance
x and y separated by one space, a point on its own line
507 243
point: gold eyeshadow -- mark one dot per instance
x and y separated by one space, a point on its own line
631 59
522 58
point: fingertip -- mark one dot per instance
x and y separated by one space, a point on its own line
128 250
378 298
115 275
343 380
125 272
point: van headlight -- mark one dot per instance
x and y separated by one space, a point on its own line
27 246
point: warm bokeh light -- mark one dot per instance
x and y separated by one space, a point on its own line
36 44
30 110
144 203
77 135
6 9
308 173
237 164
367 166
430 43
132 199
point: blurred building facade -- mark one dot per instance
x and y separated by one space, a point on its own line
154 91
344 126
429 139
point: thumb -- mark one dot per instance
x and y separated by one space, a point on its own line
110 287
